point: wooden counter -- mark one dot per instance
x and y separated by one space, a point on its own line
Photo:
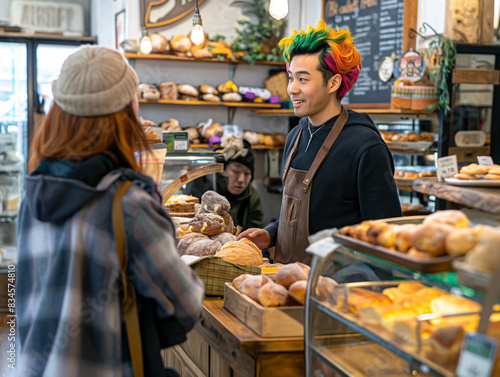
222 346
485 199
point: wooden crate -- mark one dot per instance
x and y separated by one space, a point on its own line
265 322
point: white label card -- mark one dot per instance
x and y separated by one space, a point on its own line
485 160
180 145
447 166
322 247
477 356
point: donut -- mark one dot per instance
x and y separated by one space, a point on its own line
466 177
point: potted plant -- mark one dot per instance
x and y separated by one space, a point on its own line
258 38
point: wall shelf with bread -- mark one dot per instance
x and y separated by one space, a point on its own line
206 103
392 310
131 57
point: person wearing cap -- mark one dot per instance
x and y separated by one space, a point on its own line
235 183
337 169
70 319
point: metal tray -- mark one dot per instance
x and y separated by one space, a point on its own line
439 264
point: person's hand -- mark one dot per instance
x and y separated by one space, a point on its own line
259 237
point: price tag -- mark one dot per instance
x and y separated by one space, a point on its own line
477 356
446 167
485 160
180 145
323 247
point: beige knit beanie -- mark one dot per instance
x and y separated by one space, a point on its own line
95 81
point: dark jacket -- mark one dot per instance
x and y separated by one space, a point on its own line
356 180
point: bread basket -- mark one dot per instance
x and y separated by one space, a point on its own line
215 272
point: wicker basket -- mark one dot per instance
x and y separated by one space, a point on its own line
215 272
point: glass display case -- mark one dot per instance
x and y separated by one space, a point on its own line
351 331
178 164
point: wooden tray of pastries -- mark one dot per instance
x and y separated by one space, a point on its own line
415 242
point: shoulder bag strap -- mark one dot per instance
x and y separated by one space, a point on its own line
129 298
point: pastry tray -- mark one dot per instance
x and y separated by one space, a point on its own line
435 265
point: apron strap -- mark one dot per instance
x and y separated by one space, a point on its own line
291 155
325 148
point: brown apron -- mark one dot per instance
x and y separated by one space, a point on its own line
293 227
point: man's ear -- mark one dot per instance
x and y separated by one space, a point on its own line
334 83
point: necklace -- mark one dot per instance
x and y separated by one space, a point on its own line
311 134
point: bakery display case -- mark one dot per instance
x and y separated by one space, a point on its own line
390 316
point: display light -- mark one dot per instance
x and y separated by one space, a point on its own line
278 9
145 46
197 34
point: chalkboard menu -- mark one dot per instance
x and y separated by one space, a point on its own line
377 26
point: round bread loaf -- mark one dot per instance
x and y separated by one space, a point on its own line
453 217
272 295
207 223
224 237
251 285
187 90
460 241
182 230
241 252
290 273
216 203
207 89
298 291
203 247
486 254
181 43
239 279
187 240
404 234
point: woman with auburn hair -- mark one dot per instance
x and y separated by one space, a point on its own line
337 169
69 288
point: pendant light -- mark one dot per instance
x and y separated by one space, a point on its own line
278 9
145 46
197 34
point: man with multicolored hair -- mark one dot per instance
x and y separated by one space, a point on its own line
337 169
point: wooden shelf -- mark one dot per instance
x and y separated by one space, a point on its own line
369 111
195 146
409 151
206 103
186 59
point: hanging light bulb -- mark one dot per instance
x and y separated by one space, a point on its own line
197 34
145 46
278 9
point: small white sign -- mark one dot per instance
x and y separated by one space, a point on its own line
181 145
477 356
447 167
48 16
485 160
323 247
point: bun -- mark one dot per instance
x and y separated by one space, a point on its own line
272 295
182 231
453 217
232 97
210 97
251 285
187 90
290 273
238 280
207 89
298 291
207 223
159 43
188 239
467 177
251 136
180 44
417 254
485 255
241 252
359 298
474 169
460 241
171 125
193 135
404 233
381 233
431 237
203 247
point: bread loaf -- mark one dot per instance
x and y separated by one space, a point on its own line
241 252
298 291
171 125
239 279
290 273
168 91
485 255
216 203
188 239
207 223
180 44
187 90
207 89
460 241
431 237
251 285
404 235
203 247
456 218
224 237
272 295
159 43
